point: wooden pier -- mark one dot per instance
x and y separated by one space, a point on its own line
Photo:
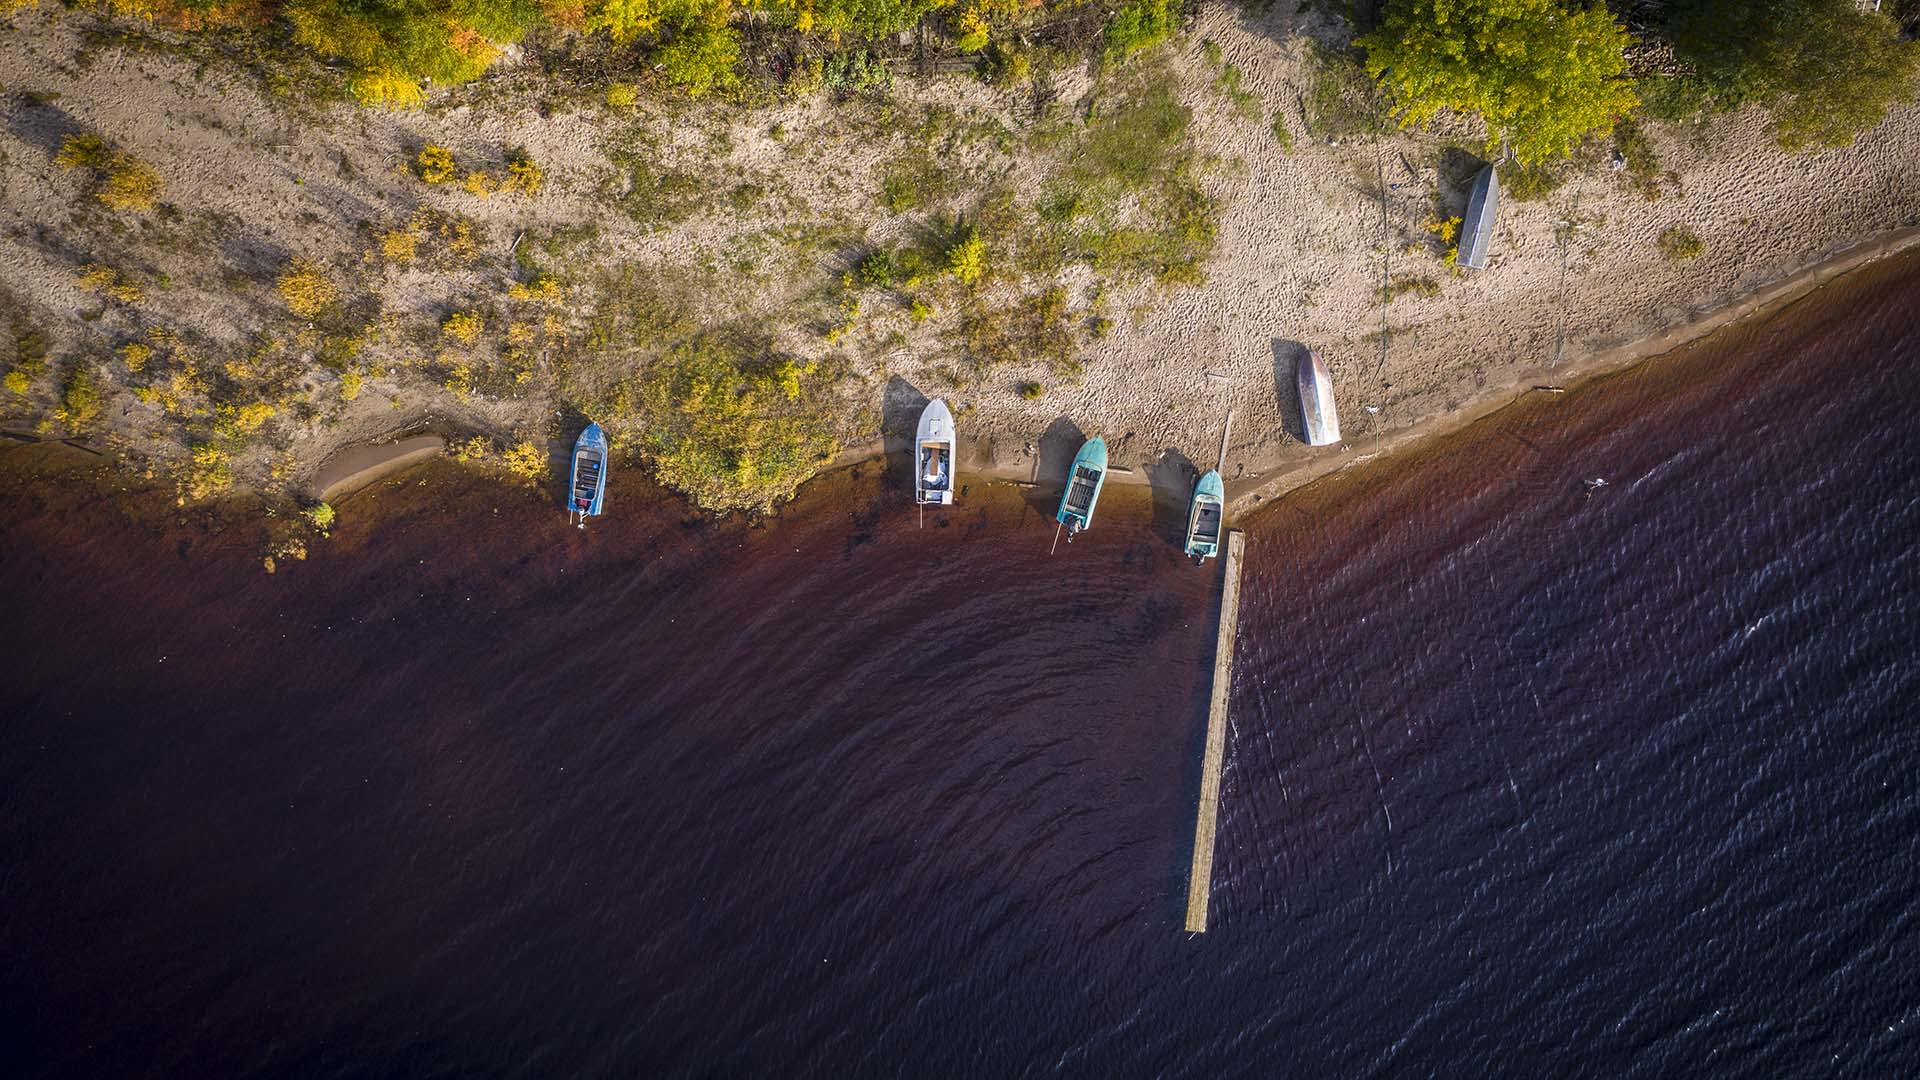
1200 882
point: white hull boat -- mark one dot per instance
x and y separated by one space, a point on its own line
933 454
1316 401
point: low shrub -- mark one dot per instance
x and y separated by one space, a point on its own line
525 459
855 72
83 151
130 184
435 164
1448 232
464 327
544 288
306 288
524 176
733 433
400 245
701 57
105 279
122 181
209 472
876 270
967 256
81 399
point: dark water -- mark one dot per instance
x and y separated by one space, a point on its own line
1521 782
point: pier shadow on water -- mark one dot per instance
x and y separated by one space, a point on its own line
1191 729
1287 356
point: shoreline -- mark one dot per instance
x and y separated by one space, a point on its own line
1260 477
980 456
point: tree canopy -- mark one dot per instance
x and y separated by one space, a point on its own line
1824 69
1540 75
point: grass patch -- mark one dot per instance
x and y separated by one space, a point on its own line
1641 164
657 195
1341 101
1681 244
1531 183
1125 199
1035 328
1229 81
913 179
1412 285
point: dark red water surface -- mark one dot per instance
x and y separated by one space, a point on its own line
1521 781
649 785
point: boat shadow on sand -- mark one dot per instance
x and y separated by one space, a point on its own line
1171 478
900 409
1052 460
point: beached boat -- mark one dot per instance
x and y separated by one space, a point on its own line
1316 401
933 456
1476 225
1084 480
1203 518
587 480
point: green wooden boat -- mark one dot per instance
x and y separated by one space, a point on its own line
1084 481
1203 518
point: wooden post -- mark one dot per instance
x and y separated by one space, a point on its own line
1200 881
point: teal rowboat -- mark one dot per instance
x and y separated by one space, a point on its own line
1084 480
1203 519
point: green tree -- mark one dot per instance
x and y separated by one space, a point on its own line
1824 69
393 44
1540 75
701 57
1137 24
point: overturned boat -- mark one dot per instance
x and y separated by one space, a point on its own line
1084 480
587 479
933 451
1204 516
1316 401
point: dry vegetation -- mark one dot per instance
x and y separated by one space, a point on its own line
721 242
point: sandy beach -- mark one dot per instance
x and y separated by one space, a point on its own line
1306 235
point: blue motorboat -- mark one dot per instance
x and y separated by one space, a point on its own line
587 480
1084 481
